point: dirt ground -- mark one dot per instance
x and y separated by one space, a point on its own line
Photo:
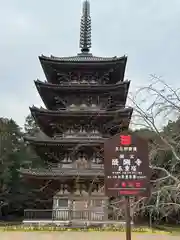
81 236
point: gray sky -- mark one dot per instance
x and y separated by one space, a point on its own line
147 31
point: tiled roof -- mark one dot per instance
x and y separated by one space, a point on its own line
83 57
122 110
62 172
55 141
70 86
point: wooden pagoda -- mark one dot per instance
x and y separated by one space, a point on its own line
85 99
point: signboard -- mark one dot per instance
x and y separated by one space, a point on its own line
126 166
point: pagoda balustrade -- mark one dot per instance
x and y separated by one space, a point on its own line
65 215
70 133
90 108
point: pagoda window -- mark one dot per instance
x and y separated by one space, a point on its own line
96 203
63 203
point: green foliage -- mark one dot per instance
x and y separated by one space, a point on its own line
53 227
30 126
13 154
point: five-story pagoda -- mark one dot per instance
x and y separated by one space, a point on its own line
85 99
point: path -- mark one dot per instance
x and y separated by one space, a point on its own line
81 236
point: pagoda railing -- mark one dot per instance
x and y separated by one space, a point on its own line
63 215
67 165
68 215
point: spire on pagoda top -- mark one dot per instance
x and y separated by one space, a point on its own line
85 28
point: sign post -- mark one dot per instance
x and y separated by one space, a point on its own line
126 168
128 218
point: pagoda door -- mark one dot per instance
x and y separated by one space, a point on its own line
80 209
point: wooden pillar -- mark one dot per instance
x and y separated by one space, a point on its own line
105 207
70 209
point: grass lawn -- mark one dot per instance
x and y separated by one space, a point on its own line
174 230
82 236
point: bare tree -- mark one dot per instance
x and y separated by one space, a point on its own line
156 108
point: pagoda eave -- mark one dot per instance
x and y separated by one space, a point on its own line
62 174
65 141
81 113
70 87
82 60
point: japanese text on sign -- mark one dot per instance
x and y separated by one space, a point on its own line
126 165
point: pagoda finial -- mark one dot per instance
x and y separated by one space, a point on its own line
85 29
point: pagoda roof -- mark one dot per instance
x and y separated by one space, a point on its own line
62 173
82 58
82 87
64 141
53 67
81 113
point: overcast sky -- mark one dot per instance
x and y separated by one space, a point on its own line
148 31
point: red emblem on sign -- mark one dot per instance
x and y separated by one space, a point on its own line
125 139
123 184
